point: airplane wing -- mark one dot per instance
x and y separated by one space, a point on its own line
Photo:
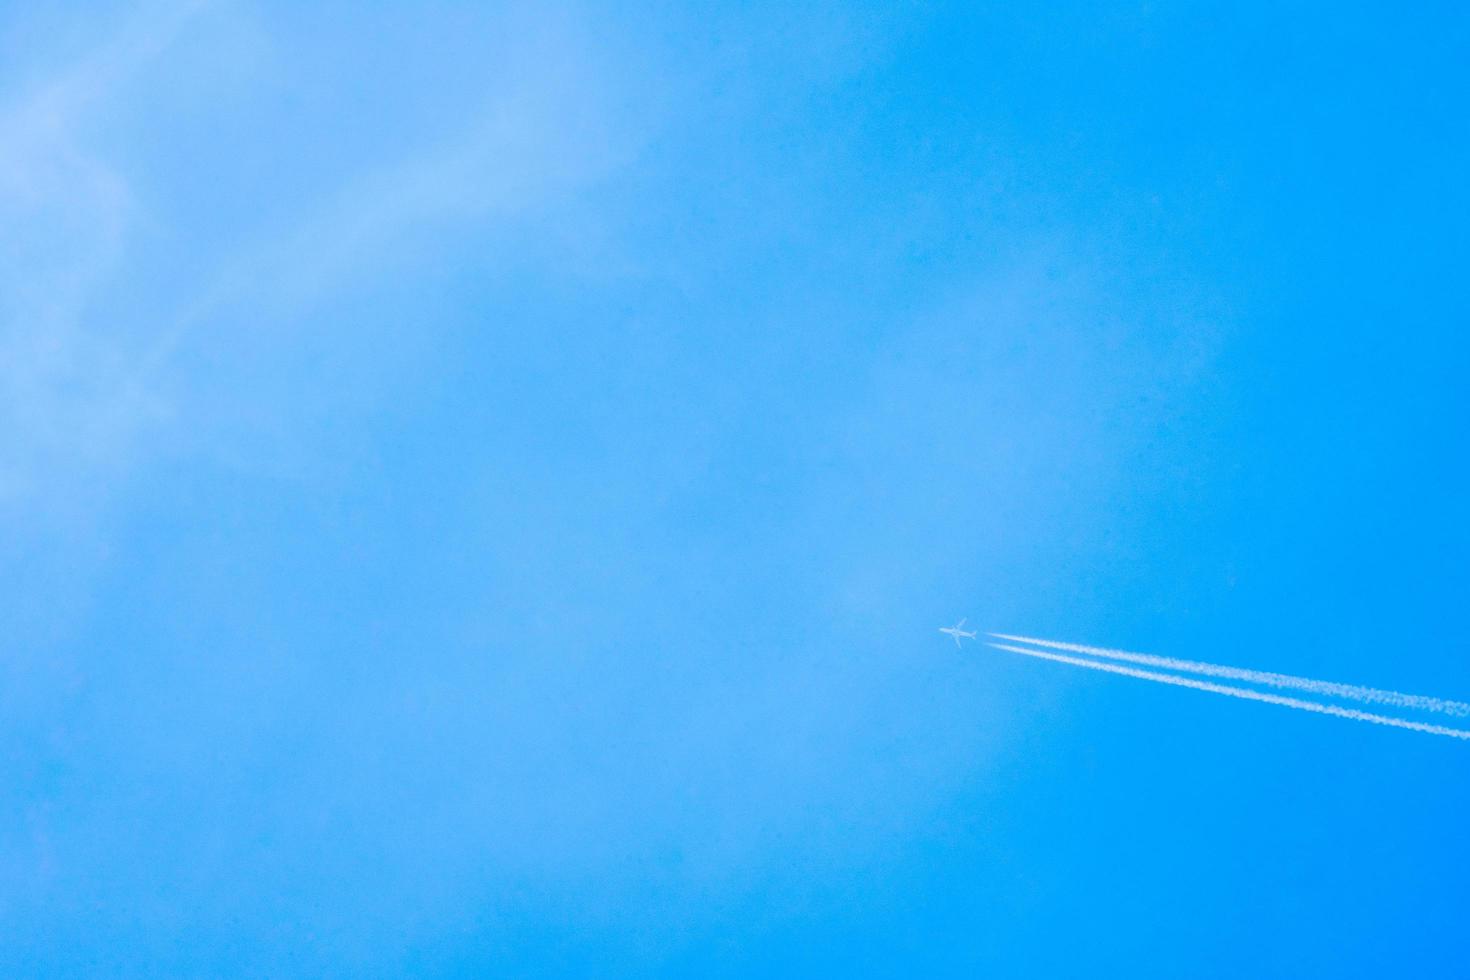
960 623
956 636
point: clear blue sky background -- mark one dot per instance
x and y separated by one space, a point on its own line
478 487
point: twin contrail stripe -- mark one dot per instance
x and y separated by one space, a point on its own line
1351 692
1240 692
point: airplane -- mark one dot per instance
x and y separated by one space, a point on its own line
956 632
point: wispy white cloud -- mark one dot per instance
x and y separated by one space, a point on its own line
81 385
541 133
64 219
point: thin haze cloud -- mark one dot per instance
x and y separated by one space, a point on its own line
65 214
1351 692
548 127
1240 692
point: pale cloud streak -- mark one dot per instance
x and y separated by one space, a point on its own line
65 214
80 384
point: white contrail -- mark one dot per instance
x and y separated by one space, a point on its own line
1241 692
1327 689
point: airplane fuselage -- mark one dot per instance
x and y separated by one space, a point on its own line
955 632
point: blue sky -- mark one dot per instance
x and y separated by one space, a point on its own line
478 486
